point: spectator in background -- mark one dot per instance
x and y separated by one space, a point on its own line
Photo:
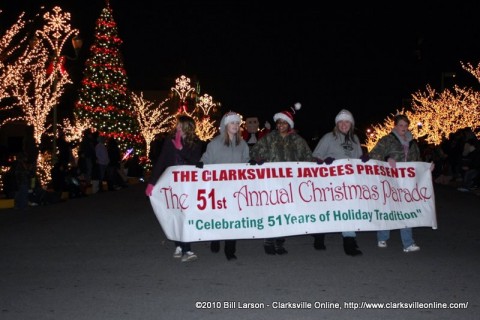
114 177
65 156
470 165
23 177
155 148
103 160
252 132
86 156
30 148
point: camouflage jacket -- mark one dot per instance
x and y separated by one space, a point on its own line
275 148
390 146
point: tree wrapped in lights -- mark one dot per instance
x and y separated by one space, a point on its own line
37 89
34 87
447 112
205 128
151 120
104 97
10 70
437 115
74 132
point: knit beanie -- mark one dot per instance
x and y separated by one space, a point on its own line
344 115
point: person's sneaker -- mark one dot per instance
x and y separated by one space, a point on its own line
382 244
412 248
462 189
178 252
189 256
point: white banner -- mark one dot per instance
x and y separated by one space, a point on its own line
241 201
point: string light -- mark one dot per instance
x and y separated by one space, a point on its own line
183 89
439 113
152 120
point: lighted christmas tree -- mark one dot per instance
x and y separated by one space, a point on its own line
104 97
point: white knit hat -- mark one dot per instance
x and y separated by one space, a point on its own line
344 115
229 117
287 115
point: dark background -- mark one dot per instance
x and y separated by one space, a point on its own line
260 59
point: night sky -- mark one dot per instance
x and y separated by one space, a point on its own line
258 59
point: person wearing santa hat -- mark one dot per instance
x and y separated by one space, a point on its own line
340 143
227 147
281 145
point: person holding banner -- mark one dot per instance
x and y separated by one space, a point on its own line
397 146
340 143
227 147
281 145
181 147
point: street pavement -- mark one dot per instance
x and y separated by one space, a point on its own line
105 257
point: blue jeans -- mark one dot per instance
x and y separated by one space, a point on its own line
405 234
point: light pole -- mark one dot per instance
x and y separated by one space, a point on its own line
183 88
56 32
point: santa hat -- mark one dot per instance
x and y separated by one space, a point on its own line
229 117
287 115
344 115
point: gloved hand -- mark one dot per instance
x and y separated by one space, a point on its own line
329 160
267 125
260 162
148 190
177 142
364 157
199 165
319 161
252 162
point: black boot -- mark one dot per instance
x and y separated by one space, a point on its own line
279 246
319 242
269 246
215 246
350 246
230 248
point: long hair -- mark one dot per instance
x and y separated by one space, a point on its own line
350 136
237 138
188 127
